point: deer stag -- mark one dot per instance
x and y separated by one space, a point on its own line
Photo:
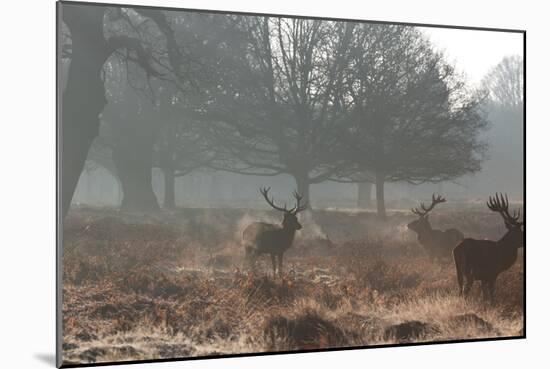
439 244
266 238
484 260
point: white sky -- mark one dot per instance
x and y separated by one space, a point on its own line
475 52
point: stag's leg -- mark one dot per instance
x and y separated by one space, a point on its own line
485 290
274 264
460 279
468 285
247 256
250 258
280 260
491 290
460 286
459 272
488 288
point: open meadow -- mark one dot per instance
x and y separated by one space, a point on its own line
175 284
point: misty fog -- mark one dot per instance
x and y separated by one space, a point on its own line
237 184
147 117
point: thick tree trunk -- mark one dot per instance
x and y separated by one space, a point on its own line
169 188
84 96
380 204
134 162
119 192
302 187
364 198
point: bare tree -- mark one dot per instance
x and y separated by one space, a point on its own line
89 41
274 108
180 149
413 119
505 83
505 112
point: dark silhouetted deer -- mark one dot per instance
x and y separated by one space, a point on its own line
484 260
273 239
438 244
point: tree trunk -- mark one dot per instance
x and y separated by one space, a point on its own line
302 187
380 204
169 188
134 167
364 198
118 191
84 96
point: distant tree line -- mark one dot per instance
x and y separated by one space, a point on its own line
316 100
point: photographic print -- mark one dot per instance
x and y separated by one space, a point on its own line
240 184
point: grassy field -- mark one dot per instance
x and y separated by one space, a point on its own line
174 285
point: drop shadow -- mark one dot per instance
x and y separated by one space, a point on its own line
46 358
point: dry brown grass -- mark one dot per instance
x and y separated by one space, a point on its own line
173 285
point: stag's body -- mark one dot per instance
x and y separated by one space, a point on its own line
266 238
484 260
438 244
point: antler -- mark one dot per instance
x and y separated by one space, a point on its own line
499 203
265 194
417 212
435 201
298 208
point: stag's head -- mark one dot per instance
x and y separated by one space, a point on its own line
499 204
290 219
422 222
